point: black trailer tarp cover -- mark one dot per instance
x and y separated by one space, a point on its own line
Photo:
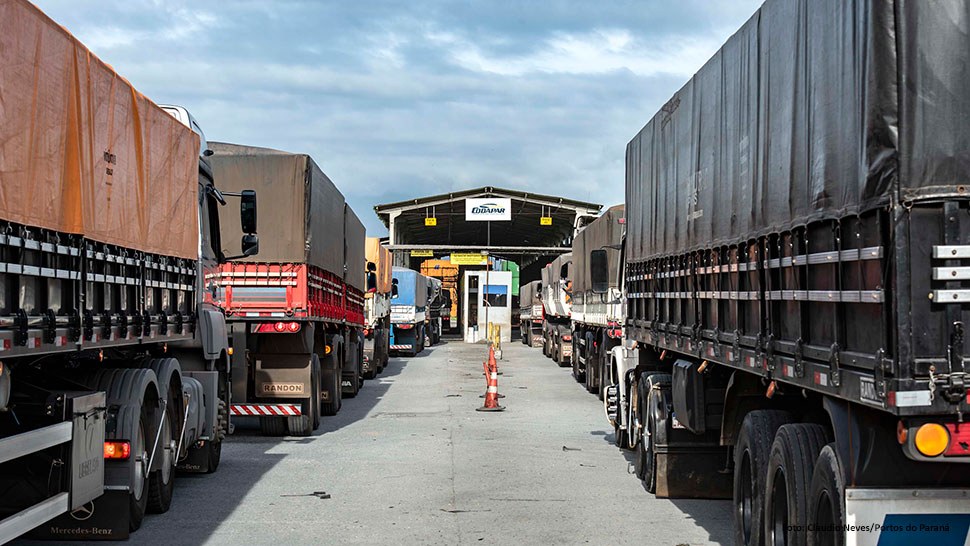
300 212
605 231
814 109
354 240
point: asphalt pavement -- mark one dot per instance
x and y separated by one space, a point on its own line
410 461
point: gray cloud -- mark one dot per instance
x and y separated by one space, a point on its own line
397 100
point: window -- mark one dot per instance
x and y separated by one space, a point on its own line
497 295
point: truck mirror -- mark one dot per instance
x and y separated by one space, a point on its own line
250 245
371 281
394 288
599 271
247 211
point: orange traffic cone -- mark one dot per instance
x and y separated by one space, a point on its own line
493 365
491 394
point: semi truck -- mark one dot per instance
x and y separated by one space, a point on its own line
434 317
449 274
557 341
377 308
596 317
409 301
296 312
795 278
113 354
530 313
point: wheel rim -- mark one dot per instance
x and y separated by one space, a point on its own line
824 520
168 445
633 423
744 503
778 515
140 462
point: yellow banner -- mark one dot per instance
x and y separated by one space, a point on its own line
422 253
545 220
431 221
468 258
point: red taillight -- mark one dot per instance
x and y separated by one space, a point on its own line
116 450
293 326
567 338
280 326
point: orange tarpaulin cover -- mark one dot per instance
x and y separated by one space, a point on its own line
380 257
83 152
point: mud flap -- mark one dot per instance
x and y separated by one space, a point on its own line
196 460
104 518
693 474
327 380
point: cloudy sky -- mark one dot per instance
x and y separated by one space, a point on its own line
403 99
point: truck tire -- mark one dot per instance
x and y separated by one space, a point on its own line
789 476
272 426
140 449
750 469
134 392
331 407
592 366
826 500
161 483
648 400
305 424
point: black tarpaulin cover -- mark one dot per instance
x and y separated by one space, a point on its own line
301 215
605 231
813 109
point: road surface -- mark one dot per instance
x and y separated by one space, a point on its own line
410 461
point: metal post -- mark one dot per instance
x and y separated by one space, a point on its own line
488 238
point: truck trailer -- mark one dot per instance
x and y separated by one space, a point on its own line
409 301
795 272
113 354
377 308
449 275
295 313
435 316
596 317
530 313
557 341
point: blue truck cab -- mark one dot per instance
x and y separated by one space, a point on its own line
409 300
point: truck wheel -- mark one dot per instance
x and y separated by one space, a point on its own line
826 501
603 361
790 467
750 468
592 368
138 494
161 483
648 400
309 420
315 393
632 398
332 406
272 426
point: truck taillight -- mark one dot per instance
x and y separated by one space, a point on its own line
116 450
280 327
287 327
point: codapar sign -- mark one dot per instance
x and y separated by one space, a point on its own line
488 209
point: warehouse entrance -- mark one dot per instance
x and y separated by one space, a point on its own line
448 236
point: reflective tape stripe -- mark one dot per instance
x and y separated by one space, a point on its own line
265 409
